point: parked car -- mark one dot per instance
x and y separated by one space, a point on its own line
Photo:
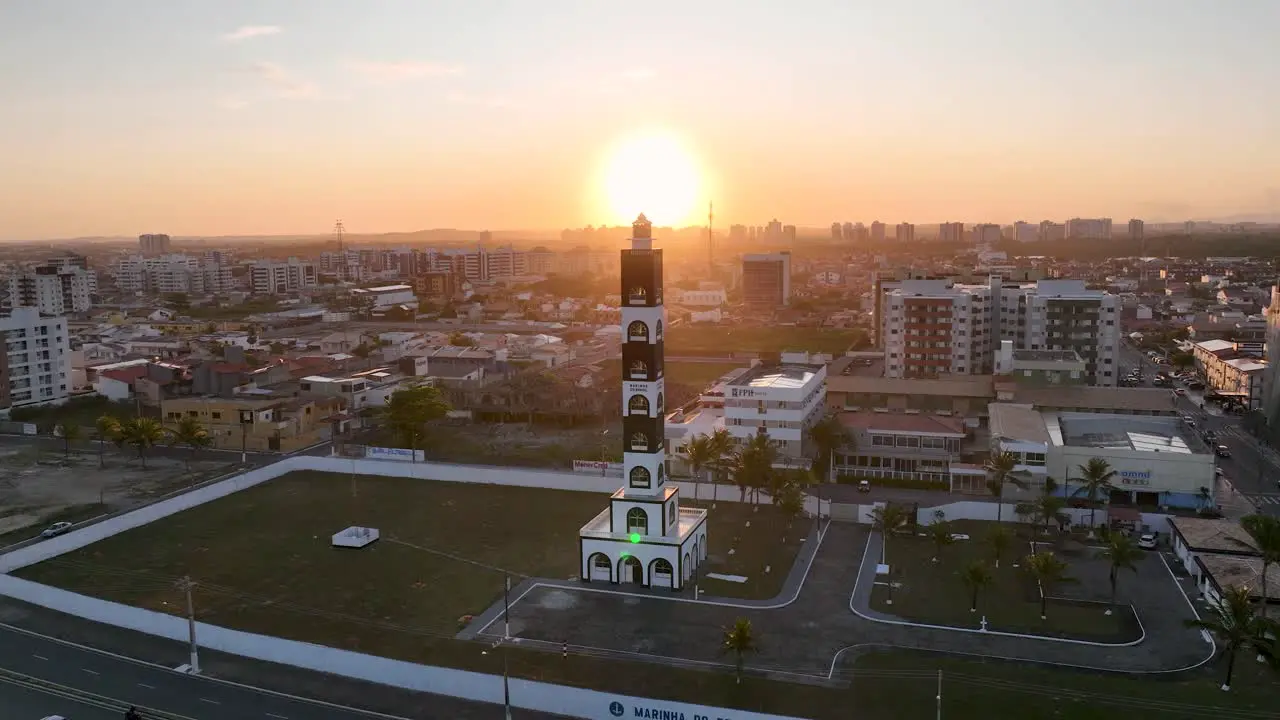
55 529
1223 451
1180 392
1147 541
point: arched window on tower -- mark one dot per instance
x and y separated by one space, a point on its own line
639 442
637 295
639 370
659 332
638 331
660 403
640 477
638 405
638 521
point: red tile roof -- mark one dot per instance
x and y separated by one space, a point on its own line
902 423
126 375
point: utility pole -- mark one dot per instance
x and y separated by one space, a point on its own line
939 695
506 608
186 585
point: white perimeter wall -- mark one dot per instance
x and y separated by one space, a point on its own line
975 510
544 697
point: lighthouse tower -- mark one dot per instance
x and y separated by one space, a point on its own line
645 537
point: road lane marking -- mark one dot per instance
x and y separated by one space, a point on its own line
282 717
39 657
91 672
211 702
149 687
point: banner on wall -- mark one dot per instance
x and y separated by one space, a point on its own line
598 467
401 454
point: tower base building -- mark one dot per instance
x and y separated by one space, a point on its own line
644 537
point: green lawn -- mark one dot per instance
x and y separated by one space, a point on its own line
698 374
715 340
934 593
768 542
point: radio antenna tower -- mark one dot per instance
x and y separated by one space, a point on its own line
711 263
338 232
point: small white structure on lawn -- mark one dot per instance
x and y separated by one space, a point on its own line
644 537
355 537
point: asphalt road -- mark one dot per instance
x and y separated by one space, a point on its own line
22 703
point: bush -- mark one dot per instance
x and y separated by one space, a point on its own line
894 482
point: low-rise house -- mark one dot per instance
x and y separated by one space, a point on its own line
273 424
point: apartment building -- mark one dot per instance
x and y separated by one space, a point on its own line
270 424
936 327
172 274
53 289
278 278
1136 229
877 232
766 280
951 232
483 264
905 233
986 234
784 400
1064 315
1025 232
1052 232
1089 228
36 367
1231 374
385 296
154 244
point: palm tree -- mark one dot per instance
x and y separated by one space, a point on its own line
886 520
755 465
144 434
1000 470
976 576
1122 554
1235 623
999 538
700 454
739 640
827 435
71 433
940 535
191 434
722 458
1047 509
1096 476
108 429
1265 531
1048 570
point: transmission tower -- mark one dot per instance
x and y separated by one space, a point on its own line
338 232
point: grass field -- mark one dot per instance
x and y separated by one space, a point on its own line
698 374
934 593
722 340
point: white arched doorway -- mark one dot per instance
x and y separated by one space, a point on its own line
661 574
630 570
599 568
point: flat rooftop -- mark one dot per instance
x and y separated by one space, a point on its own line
1046 355
1142 433
789 376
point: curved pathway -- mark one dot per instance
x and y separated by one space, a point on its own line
809 629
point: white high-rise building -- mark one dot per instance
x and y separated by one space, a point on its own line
1065 315
783 400
644 537
877 232
905 233
278 278
1025 232
1051 231
1089 228
36 367
1136 229
155 244
54 290
176 273
951 232
986 234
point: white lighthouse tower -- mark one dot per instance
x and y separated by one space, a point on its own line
644 537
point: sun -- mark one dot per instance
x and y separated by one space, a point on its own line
655 174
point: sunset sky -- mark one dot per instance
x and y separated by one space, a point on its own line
231 117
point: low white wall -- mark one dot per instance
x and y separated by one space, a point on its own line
526 694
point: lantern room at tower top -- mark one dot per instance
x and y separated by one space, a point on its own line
644 536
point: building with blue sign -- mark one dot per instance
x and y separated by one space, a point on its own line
1159 461
644 537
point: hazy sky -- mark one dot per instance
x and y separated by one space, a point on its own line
236 117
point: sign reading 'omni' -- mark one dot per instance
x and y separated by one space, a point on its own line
645 537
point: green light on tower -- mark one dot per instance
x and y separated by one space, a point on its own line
635 537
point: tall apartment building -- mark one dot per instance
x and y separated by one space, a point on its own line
36 365
1089 228
1065 315
847 231
1136 229
154 244
986 234
931 327
936 327
861 235
278 278
789 235
540 261
951 232
1051 231
905 232
1025 232
877 231
53 290
766 279
484 264
837 231
172 274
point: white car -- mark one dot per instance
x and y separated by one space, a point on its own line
1147 541
55 529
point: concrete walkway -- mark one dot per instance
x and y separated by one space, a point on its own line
816 633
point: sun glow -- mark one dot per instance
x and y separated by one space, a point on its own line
654 174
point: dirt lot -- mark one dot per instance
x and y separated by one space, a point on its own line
40 486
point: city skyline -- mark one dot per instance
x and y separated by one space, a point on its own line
248 120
